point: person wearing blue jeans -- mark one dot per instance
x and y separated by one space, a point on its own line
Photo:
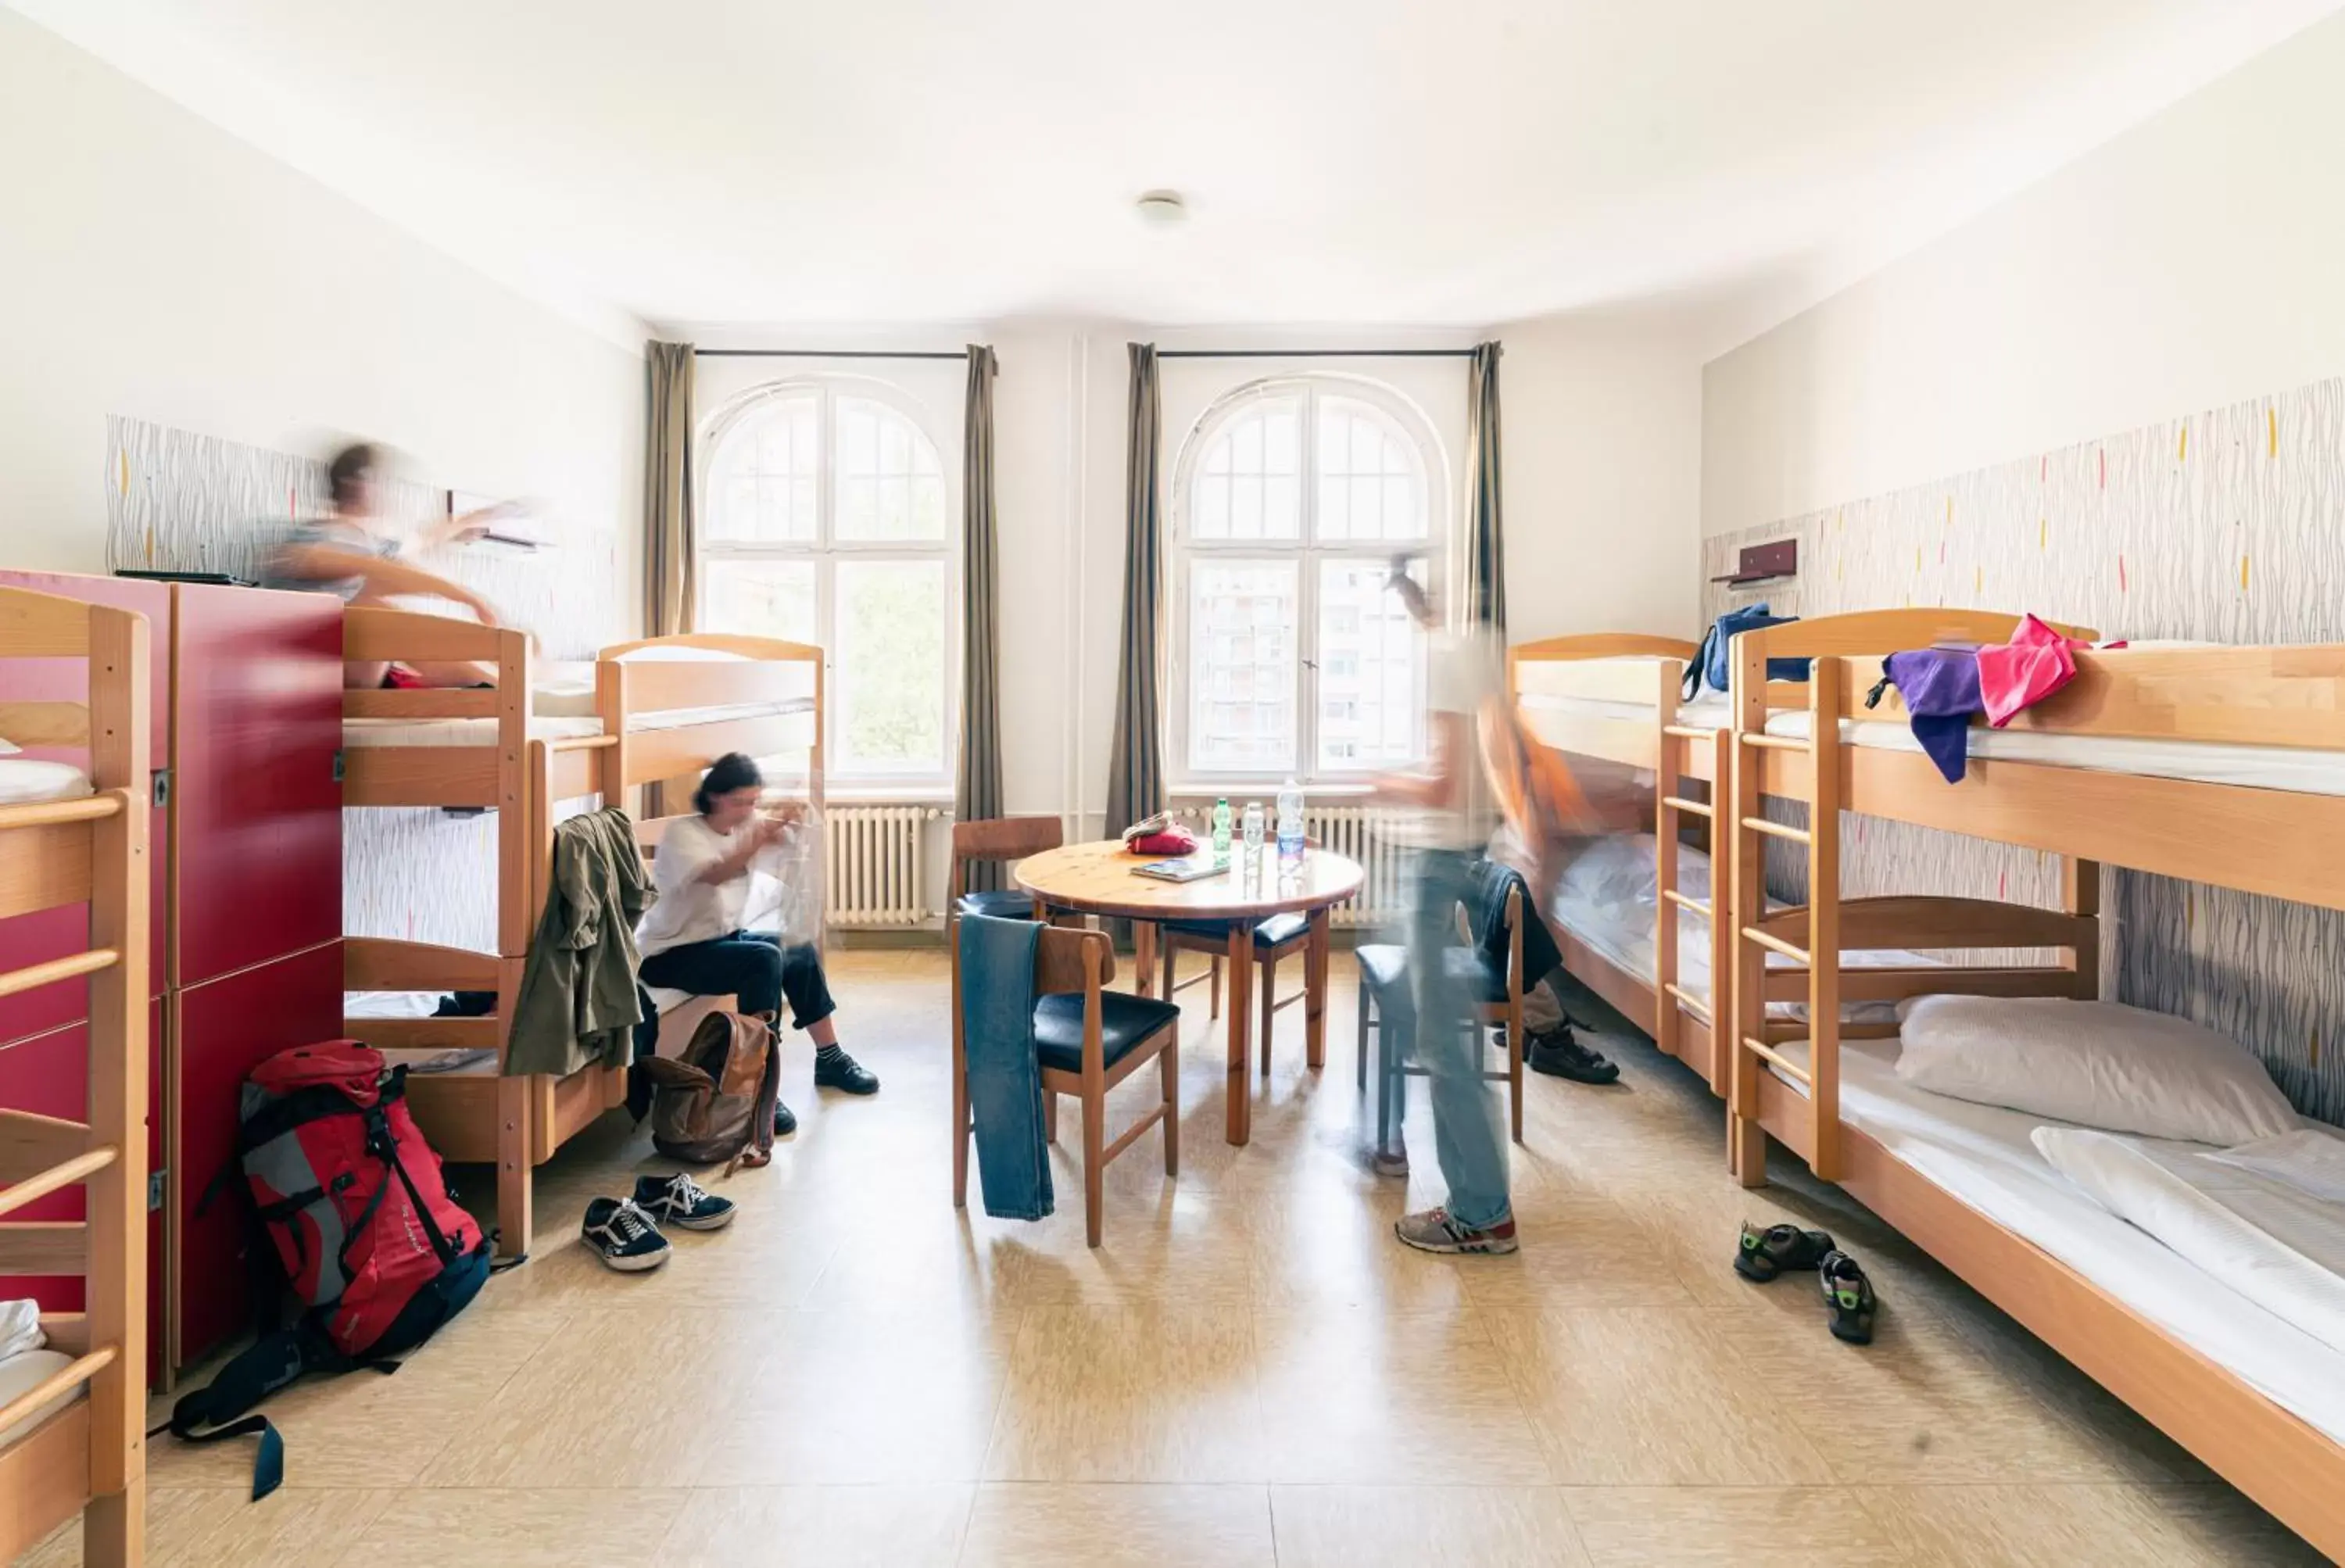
691 938
1459 812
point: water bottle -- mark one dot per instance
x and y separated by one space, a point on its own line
1254 825
1290 823
1222 828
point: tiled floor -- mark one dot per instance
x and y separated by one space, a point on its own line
1250 1371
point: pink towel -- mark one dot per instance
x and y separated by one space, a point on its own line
2036 663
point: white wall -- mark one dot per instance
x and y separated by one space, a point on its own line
153 266
2190 263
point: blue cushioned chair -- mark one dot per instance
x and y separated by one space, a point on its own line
997 840
1497 1000
1087 1040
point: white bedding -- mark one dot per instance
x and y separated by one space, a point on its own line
423 1003
2304 772
25 780
26 1371
1986 1158
543 725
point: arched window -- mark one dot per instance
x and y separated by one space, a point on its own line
1290 498
825 519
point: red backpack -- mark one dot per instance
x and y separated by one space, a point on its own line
358 1209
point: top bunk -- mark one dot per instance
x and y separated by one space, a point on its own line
1605 694
2218 765
640 711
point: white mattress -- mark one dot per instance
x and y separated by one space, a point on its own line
1607 898
2303 772
422 1003
26 1370
26 780
1983 1156
361 732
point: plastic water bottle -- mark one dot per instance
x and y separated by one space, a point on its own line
1222 828
1254 826
1290 823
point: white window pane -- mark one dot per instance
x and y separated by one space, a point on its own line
1245 445
879 449
1367 447
858 507
1404 511
894 449
858 436
1371 671
888 620
1242 688
928 507
1281 453
1209 514
1281 507
758 598
1245 507
752 474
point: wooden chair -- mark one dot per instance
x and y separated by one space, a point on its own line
1274 938
997 840
1087 1040
1498 1001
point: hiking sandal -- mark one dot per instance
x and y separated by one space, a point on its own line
1764 1254
1850 1296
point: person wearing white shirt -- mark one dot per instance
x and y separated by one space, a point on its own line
691 937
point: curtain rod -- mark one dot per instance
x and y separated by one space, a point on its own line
1315 353
830 354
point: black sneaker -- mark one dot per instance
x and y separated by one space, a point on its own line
835 1069
679 1200
1850 1296
624 1236
1764 1254
785 1121
1558 1053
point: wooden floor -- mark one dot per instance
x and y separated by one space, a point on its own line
1251 1371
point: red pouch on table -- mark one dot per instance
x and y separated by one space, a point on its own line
1170 841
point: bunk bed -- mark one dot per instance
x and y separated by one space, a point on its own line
2217 765
1650 951
72 1427
654 711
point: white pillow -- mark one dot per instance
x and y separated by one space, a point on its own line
27 780
2095 1063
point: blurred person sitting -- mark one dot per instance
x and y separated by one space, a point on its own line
353 551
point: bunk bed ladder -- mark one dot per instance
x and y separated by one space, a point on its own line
1755 1047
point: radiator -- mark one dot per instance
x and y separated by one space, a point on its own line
876 865
1363 833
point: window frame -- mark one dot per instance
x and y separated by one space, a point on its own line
826 550
1307 552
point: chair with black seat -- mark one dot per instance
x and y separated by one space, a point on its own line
997 839
1087 1040
1274 938
1495 984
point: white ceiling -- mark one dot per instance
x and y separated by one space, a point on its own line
1346 161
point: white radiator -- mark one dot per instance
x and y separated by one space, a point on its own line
875 864
1363 833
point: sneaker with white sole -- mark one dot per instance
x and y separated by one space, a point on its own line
680 1201
1435 1231
624 1236
1391 1162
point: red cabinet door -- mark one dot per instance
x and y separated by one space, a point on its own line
257 809
55 932
220 1032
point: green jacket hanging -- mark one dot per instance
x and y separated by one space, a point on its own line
578 1004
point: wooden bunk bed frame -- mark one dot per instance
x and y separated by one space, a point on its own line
2280 843
89 1457
1678 1023
517 1123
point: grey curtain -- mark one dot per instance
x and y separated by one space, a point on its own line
1486 552
1135 775
671 540
977 789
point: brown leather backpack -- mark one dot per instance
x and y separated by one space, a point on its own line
715 1104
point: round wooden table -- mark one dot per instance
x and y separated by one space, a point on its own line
1082 879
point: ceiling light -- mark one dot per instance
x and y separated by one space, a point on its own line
1162 207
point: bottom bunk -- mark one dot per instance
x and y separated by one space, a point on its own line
44 1478
2257 1397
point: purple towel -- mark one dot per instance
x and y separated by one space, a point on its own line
1941 688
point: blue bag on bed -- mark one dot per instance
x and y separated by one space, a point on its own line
1710 663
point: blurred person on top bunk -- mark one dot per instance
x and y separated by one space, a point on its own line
353 551
692 938
1458 815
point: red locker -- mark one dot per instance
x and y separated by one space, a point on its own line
52 933
219 1032
257 724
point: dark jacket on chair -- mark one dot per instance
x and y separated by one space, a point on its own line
1487 916
578 1002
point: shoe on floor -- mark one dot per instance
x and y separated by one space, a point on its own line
1761 1255
785 1121
835 1069
624 1236
678 1200
1435 1231
1849 1294
1558 1053
1392 1162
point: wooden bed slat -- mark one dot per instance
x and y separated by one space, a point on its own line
481 1034
74 964
42 626
657 684
44 1246
65 1174
72 1375
43 867
43 1480
31 1144
460 776
1928 980
653 755
384 963
1869 924
371 635
430 702
45 723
